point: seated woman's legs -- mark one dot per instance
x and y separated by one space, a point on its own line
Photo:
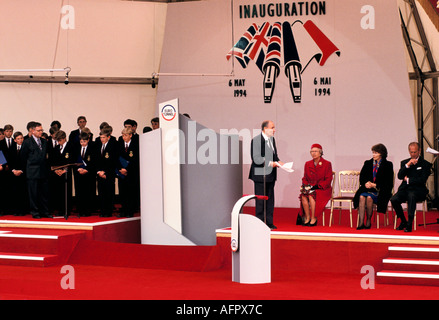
369 211
305 206
365 204
309 208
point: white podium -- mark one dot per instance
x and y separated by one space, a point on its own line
251 246
180 187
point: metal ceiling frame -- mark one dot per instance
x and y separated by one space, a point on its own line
426 76
77 79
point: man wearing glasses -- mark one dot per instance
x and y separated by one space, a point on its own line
34 155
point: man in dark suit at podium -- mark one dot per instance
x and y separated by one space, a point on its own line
34 155
263 170
414 173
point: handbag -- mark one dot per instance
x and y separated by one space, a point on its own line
299 220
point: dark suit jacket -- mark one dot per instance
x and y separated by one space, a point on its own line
89 159
67 156
35 159
417 175
74 137
16 161
261 155
7 151
384 182
109 159
131 156
134 138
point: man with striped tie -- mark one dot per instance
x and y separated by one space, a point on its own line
34 155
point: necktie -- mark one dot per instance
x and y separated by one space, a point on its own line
39 144
270 144
83 152
9 142
126 147
103 148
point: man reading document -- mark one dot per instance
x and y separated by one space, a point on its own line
263 170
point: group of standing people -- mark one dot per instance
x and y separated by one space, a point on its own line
40 171
376 182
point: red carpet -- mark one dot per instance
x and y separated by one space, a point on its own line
109 283
300 270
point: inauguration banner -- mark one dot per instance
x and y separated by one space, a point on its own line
331 72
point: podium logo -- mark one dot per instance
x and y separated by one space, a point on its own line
283 45
234 245
168 112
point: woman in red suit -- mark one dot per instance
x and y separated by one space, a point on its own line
316 187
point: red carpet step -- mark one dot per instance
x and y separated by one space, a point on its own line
164 257
26 259
411 265
36 247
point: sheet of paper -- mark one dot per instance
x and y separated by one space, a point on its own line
288 167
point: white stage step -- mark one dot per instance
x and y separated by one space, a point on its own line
410 265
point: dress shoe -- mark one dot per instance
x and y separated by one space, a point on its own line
408 228
272 227
361 227
313 224
37 216
402 226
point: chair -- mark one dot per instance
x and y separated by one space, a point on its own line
332 194
389 206
424 210
377 216
348 184
386 218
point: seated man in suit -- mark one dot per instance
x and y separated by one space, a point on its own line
414 173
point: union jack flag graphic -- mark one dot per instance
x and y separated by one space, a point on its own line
251 45
300 43
271 66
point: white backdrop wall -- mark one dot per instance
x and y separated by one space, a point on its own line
106 38
369 99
